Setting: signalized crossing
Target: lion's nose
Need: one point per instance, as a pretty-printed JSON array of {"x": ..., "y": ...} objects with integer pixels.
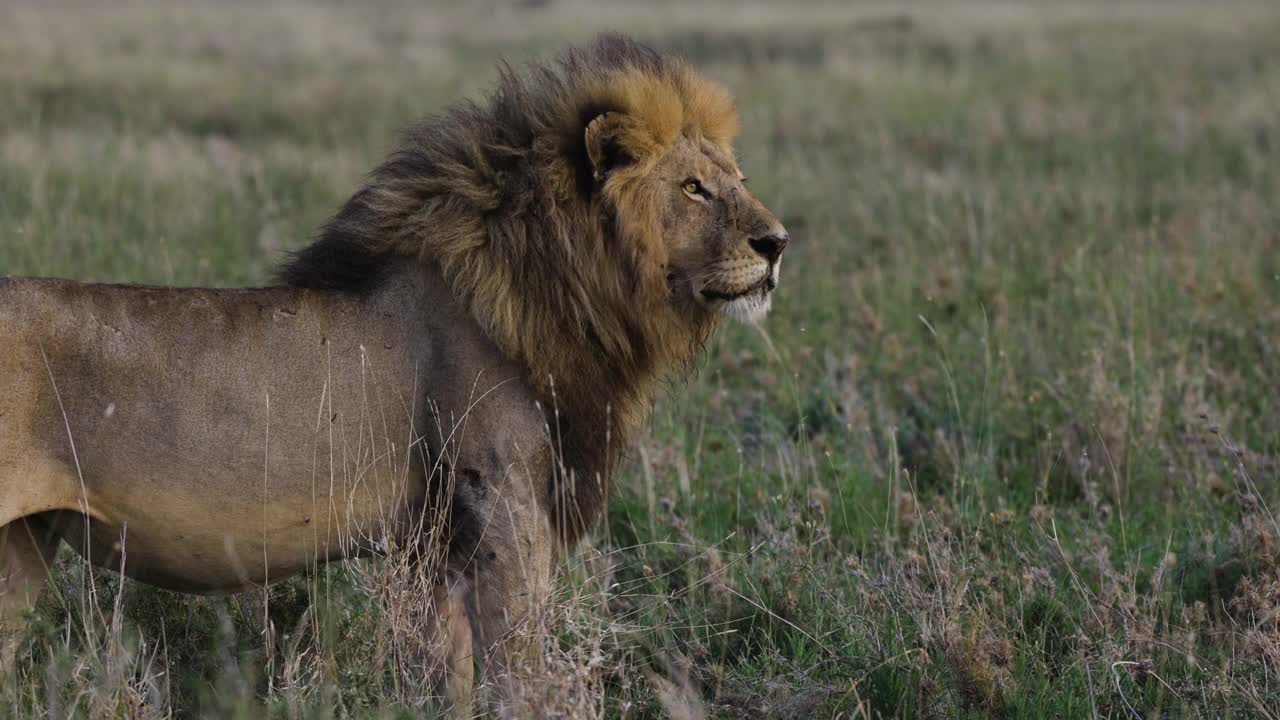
[{"x": 770, "y": 246}]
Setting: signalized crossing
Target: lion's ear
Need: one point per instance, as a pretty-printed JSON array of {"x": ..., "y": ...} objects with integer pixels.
[{"x": 603, "y": 137}]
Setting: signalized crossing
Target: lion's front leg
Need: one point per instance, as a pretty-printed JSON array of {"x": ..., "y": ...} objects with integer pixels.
[
  {"x": 449, "y": 633},
  {"x": 510, "y": 576}
]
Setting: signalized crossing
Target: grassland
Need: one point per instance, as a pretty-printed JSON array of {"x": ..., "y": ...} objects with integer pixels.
[{"x": 1008, "y": 446}]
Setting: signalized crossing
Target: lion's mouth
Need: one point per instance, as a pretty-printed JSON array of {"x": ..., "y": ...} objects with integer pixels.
[
  {"x": 710, "y": 294},
  {"x": 765, "y": 286}
]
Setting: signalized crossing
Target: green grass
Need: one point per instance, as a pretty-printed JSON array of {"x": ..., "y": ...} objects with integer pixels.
[{"x": 1014, "y": 419}]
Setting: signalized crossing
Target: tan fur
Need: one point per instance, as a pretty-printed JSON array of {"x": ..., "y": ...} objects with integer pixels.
[{"x": 458, "y": 362}]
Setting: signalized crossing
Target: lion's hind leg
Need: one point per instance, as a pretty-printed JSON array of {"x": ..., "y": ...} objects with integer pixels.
[{"x": 27, "y": 549}]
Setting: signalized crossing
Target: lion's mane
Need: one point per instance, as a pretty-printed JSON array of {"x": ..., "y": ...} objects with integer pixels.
[{"x": 565, "y": 279}]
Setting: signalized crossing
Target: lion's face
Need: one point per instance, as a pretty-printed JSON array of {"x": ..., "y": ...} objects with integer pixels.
[
  {"x": 724, "y": 248},
  {"x": 666, "y": 171}
]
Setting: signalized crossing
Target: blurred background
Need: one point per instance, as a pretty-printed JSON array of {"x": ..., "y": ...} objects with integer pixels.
[{"x": 1009, "y": 444}]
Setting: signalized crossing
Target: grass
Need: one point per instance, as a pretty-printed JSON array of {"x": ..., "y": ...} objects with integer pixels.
[{"x": 1009, "y": 444}]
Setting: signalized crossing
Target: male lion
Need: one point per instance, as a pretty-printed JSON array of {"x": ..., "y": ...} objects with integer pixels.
[{"x": 463, "y": 353}]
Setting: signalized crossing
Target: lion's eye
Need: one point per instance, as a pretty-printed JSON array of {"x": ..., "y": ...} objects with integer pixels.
[{"x": 693, "y": 187}]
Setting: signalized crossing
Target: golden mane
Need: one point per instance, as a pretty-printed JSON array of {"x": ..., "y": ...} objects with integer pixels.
[{"x": 564, "y": 273}]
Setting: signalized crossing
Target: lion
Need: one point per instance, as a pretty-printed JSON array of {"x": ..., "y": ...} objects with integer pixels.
[{"x": 464, "y": 353}]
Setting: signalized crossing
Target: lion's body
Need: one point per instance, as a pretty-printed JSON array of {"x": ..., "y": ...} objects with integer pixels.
[
  {"x": 314, "y": 438},
  {"x": 461, "y": 357}
]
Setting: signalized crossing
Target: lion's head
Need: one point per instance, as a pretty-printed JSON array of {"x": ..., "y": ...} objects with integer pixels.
[
  {"x": 589, "y": 215},
  {"x": 663, "y": 165}
]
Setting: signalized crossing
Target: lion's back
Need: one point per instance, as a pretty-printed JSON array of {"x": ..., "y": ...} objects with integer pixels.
[{"x": 22, "y": 309}]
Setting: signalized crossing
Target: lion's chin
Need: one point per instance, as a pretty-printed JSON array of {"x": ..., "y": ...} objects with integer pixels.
[{"x": 748, "y": 308}]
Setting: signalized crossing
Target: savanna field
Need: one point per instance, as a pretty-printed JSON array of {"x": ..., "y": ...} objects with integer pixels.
[{"x": 1007, "y": 446}]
